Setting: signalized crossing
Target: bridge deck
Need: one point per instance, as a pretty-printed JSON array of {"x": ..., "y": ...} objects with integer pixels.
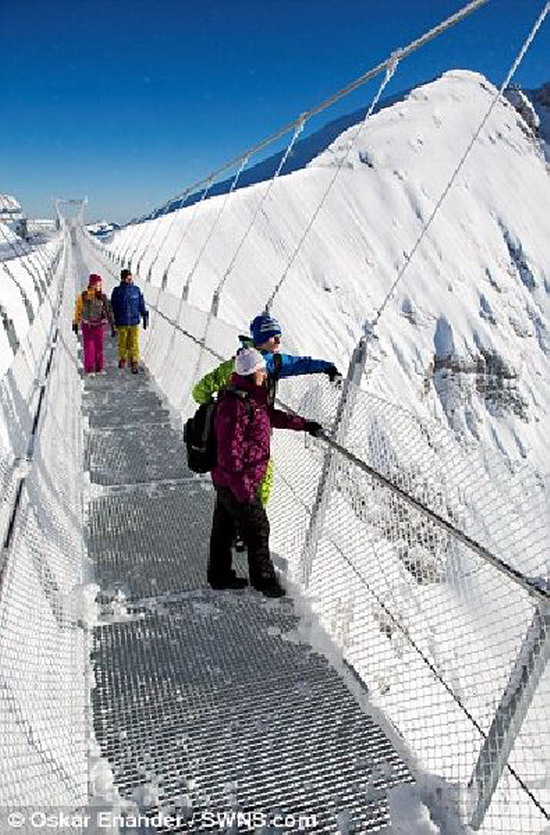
[{"x": 207, "y": 701}]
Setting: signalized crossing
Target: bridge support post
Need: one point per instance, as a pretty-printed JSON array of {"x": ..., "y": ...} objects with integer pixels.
[
  {"x": 510, "y": 714},
  {"x": 330, "y": 463}
]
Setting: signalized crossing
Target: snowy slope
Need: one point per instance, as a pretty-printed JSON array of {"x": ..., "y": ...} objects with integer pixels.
[
  {"x": 465, "y": 337},
  {"x": 303, "y": 151}
]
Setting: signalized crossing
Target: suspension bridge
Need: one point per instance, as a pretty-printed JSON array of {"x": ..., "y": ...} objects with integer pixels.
[{"x": 410, "y": 655}]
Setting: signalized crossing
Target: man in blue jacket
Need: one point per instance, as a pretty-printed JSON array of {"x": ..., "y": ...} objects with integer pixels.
[
  {"x": 128, "y": 307},
  {"x": 265, "y": 336}
]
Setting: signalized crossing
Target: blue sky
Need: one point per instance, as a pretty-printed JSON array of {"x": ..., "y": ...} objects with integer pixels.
[{"x": 129, "y": 101}]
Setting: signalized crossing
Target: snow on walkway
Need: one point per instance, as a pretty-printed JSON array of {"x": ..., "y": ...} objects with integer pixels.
[{"x": 201, "y": 704}]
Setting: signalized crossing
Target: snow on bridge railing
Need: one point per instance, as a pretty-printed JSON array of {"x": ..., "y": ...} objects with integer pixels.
[
  {"x": 43, "y": 649},
  {"x": 423, "y": 561},
  {"x": 27, "y": 276}
]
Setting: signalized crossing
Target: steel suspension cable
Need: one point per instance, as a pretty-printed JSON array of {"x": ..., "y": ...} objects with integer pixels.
[
  {"x": 136, "y": 239},
  {"x": 139, "y": 240},
  {"x": 297, "y": 131},
  {"x": 390, "y": 70},
  {"x": 214, "y": 226},
  {"x": 497, "y": 96},
  {"x": 164, "y": 238},
  {"x": 184, "y": 234},
  {"x": 449, "y": 22},
  {"x": 183, "y": 294}
]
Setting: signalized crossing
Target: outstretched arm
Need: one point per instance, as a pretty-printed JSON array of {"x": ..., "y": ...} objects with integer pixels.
[
  {"x": 294, "y": 366},
  {"x": 284, "y": 420}
]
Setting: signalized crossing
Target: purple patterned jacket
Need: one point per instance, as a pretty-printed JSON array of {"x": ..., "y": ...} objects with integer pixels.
[{"x": 243, "y": 435}]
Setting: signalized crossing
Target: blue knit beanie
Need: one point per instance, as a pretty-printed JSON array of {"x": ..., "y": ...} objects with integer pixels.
[{"x": 263, "y": 327}]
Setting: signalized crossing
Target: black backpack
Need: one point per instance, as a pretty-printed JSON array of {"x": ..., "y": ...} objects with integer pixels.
[{"x": 199, "y": 435}]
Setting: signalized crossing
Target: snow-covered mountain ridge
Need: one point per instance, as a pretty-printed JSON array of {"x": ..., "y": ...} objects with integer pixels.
[
  {"x": 465, "y": 335},
  {"x": 535, "y": 102},
  {"x": 476, "y": 296},
  {"x": 540, "y": 100}
]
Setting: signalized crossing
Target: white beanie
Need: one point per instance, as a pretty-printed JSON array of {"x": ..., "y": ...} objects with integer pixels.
[{"x": 248, "y": 361}]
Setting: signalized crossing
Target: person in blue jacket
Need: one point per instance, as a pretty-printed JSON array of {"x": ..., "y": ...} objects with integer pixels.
[
  {"x": 265, "y": 334},
  {"x": 128, "y": 307}
]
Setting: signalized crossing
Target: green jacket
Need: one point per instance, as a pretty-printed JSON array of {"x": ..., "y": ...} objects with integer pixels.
[
  {"x": 213, "y": 381},
  {"x": 278, "y": 366}
]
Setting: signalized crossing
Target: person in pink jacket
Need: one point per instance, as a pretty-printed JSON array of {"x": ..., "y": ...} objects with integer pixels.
[
  {"x": 243, "y": 425},
  {"x": 93, "y": 312}
]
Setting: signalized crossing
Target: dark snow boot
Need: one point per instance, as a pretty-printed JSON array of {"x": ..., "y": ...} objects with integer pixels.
[
  {"x": 272, "y": 588},
  {"x": 134, "y": 368},
  {"x": 233, "y": 583}
]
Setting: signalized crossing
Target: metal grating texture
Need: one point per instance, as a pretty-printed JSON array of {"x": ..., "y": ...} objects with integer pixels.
[
  {"x": 213, "y": 702},
  {"x": 207, "y": 702},
  {"x": 148, "y": 542},
  {"x": 146, "y": 454}
]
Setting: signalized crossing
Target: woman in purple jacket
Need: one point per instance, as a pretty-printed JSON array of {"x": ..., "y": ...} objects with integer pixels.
[{"x": 243, "y": 426}]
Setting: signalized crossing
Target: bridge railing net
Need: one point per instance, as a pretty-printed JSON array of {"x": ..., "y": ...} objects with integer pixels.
[
  {"x": 43, "y": 650},
  {"x": 433, "y": 629}
]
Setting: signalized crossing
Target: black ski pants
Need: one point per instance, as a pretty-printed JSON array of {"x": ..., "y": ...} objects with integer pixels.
[{"x": 253, "y": 526}]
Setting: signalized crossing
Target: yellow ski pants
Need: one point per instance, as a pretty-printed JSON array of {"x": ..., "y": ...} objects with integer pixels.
[{"x": 128, "y": 342}]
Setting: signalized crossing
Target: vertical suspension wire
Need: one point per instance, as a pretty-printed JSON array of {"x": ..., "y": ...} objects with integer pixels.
[
  {"x": 131, "y": 235},
  {"x": 26, "y": 301},
  {"x": 136, "y": 241},
  {"x": 186, "y": 231},
  {"x": 170, "y": 226},
  {"x": 494, "y": 101},
  {"x": 33, "y": 272},
  {"x": 185, "y": 291},
  {"x": 244, "y": 162},
  {"x": 188, "y": 226},
  {"x": 297, "y": 131},
  {"x": 7, "y": 321},
  {"x": 155, "y": 215},
  {"x": 140, "y": 243},
  {"x": 390, "y": 67},
  {"x": 42, "y": 290},
  {"x": 24, "y": 250},
  {"x": 23, "y": 293}
]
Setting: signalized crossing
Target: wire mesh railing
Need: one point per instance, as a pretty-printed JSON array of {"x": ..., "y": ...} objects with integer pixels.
[
  {"x": 439, "y": 634},
  {"x": 44, "y": 686},
  {"x": 425, "y": 561}
]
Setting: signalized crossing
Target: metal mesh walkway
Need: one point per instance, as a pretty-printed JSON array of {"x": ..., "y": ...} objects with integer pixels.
[{"x": 207, "y": 702}]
